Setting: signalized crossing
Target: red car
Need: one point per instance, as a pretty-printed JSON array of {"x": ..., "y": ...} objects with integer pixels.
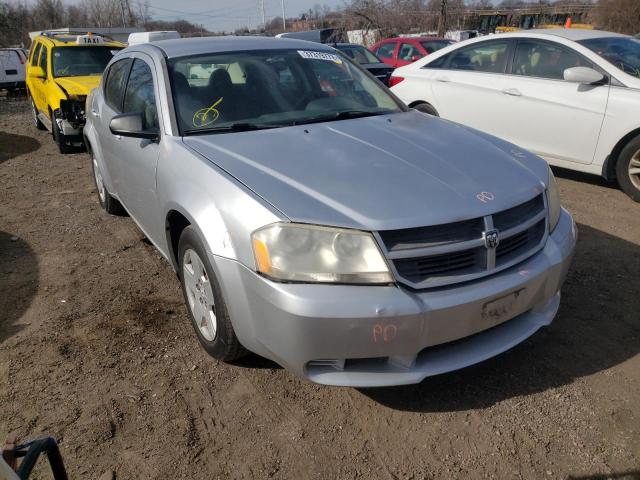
[{"x": 401, "y": 51}]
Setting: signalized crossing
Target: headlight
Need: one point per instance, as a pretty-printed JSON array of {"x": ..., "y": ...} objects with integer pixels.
[
  {"x": 308, "y": 253},
  {"x": 553, "y": 198}
]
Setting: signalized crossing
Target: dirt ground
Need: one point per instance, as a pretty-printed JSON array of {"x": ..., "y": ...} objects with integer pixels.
[{"x": 96, "y": 350}]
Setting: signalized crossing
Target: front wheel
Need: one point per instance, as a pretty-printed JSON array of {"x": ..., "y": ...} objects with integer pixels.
[
  {"x": 628, "y": 169},
  {"x": 426, "y": 108},
  {"x": 36, "y": 121},
  {"x": 205, "y": 303},
  {"x": 59, "y": 137}
]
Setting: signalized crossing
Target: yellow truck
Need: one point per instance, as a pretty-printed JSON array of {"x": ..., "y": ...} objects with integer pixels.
[{"x": 62, "y": 69}]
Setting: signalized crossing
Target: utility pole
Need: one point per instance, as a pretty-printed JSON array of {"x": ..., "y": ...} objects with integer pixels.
[
  {"x": 442, "y": 21},
  {"x": 284, "y": 20},
  {"x": 264, "y": 21}
]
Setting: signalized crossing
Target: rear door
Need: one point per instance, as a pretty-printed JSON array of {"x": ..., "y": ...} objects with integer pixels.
[
  {"x": 552, "y": 117},
  {"x": 113, "y": 98},
  {"x": 136, "y": 159},
  {"x": 468, "y": 82},
  {"x": 386, "y": 51},
  {"x": 408, "y": 53}
]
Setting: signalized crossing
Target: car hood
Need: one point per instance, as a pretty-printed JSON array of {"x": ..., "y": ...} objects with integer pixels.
[
  {"x": 78, "y": 85},
  {"x": 376, "y": 173}
]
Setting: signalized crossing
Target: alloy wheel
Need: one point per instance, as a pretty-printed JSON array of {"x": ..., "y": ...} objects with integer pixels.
[
  {"x": 199, "y": 294},
  {"x": 634, "y": 170}
]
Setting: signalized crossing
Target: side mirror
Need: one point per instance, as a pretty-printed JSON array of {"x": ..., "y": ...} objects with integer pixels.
[
  {"x": 583, "y": 75},
  {"x": 37, "y": 72},
  {"x": 131, "y": 125}
]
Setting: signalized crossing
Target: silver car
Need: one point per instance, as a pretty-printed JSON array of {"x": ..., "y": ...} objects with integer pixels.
[{"x": 314, "y": 219}]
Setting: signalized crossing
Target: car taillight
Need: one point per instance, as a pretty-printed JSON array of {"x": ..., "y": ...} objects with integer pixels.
[{"x": 395, "y": 80}]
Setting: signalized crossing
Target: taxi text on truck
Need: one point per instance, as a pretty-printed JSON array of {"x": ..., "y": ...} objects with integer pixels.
[{"x": 61, "y": 71}]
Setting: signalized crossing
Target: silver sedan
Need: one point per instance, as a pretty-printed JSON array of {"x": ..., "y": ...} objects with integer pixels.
[{"x": 314, "y": 219}]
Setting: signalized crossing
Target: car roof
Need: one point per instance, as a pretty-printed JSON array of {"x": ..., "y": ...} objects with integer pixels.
[
  {"x": 203, "y": 45},
  {"x": 69, "y": 40},
  {"x": 575, "y": 34},
  {"x": 417, "y": 39},
  {"x": 345, "y": 44}
]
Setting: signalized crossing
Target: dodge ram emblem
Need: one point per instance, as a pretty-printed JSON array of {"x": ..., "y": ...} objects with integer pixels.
[{"x": 491, "y": 238}]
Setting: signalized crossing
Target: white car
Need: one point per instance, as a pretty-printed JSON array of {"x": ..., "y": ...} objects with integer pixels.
[
  {"x": 12, "y": 70},
  {"x": 571, "y": 96}
]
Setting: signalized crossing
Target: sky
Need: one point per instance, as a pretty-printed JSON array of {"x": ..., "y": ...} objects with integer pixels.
[{"x": 219, "y": 15}]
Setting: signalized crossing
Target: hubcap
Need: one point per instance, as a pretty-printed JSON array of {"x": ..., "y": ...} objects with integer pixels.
[
  {"x": 634, "y": 170},
  {"x": 99, "y": 182},
  {"x": 199, "y": 294}
]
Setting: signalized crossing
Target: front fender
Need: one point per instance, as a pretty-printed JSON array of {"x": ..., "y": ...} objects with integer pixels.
[{"x": 223, "y": 211}]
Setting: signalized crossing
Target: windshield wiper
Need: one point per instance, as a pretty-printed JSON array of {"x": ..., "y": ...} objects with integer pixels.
[
  {"x": 235, "y": 127},
  {"x": 343, "y": 115}
]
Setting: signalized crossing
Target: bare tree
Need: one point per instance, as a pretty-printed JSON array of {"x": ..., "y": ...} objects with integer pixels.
[{"x": 621, "y": 16}]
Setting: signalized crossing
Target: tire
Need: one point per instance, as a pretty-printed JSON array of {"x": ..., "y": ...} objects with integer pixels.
[
  {"x": 110, "y": 204},
  {"x": 204, "y": 301},
  {"x": 59, "y": 137},
  {"x": 628, "y": 169},
  {"x": 36, "y": 121},
  {"x": 426, "y": 108}
]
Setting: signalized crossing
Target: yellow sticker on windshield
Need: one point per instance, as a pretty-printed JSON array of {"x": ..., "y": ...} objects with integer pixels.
[{"x": 207, "y": 116}]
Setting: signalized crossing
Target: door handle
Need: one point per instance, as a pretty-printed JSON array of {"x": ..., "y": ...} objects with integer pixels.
[
  {"x": 514, "y": 92},
  {"x": 442, "y": 79}
]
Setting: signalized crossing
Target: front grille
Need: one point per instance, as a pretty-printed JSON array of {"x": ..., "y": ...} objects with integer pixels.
[
  {"x": 426, "y": 257},
  {"x": 457, "y": 263}
]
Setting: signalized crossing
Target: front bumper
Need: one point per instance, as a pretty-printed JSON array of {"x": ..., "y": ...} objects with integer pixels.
[{"x": 369, "y": 336}]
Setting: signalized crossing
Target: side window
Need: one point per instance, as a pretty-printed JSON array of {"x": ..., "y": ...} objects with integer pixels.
[
  {"x": 534, "y": 58},
  {"x": 43, "y": 61},
  {"x": 140, "y": 94},
  {"x": 438, "y": 62},
  {"x": 408, "y": 52},
  {"x": 36, "y": 54},
  {"x": 114, "y": 86},
  {"x": 481, "y": 57},
  {"x": 386, "y": 50}
]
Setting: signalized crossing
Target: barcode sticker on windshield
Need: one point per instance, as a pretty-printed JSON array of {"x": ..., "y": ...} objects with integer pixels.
[{"x": 330, "y": 57}]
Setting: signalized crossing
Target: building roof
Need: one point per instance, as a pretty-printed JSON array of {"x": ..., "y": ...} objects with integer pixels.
[{"x": 203, "y": 45}]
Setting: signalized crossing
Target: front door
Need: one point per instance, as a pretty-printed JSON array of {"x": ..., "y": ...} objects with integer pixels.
[
  {"x": 549, "y": 116},
  {"x": 136, "y": 159}
]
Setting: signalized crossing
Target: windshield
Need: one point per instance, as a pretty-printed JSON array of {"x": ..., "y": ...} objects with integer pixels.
[
  {"x": 432, "y": 45},
  {"x": 623, "y": 52},
  {"x": 78, "y": 61},
  {"x": 267, "y": 89},
  {"x": 359, "y": 54}
]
